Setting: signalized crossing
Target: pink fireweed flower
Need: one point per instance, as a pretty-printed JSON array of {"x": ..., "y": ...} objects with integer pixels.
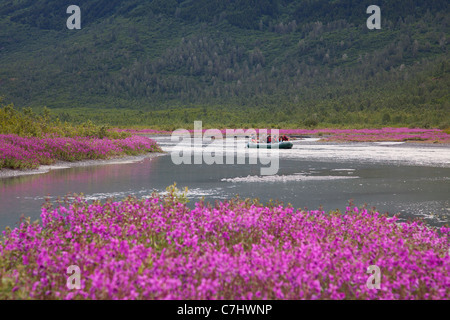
[
  {"x": 158, "y": 248},
  {"x": 29, "y": 152}
]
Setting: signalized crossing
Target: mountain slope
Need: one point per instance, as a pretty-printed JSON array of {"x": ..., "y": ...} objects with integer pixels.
[{"x": 306, "y": 62}]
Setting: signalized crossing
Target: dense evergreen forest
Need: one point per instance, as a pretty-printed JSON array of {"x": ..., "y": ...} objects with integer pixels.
[{"x": 246, "y": 63}]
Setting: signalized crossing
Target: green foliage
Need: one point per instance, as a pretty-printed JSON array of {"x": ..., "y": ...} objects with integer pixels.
[
  {"x": 27, "y": 123},
  {"x": 266, "y": 62},
  {"x": 175, "y": 196},
  {"x": 223, "y": 117},
  {"x": 386, "y": 118}
]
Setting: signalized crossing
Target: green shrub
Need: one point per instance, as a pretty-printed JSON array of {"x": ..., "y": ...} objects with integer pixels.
[{"x": 27, "y": 123}]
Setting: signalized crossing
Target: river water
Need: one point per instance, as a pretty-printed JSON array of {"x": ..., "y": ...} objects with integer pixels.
[{"x": 412, "y": 180}]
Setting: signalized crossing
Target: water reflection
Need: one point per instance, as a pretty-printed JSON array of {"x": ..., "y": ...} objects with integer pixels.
[{"x": 413, "y": 191}]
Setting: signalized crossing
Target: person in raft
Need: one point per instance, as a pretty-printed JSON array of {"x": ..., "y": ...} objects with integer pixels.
[{"x": 269, "y": 139}]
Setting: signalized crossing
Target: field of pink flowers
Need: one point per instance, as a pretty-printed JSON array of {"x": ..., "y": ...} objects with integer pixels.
[
  {"x": 356, "y": 135},
  {"x": 384, "y": 134},
  {"x": 157, "y": 248},
  {"x": 18, "y": 152}
]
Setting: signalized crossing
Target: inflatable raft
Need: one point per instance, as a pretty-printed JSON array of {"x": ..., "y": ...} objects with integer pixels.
[{"x": 277, "y": 145}]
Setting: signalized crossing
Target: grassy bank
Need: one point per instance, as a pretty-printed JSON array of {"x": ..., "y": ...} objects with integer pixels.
[{"x": 28, "y": 140}]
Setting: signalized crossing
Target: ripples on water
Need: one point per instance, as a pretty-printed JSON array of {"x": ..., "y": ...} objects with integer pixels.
[{"x": 410, "y": 179}]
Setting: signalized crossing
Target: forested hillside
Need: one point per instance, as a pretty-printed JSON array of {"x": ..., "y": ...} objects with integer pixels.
[{"x": 281, "y": 63}]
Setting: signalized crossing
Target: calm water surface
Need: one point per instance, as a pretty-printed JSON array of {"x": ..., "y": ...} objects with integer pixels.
[{"x": 410, "y": 179}]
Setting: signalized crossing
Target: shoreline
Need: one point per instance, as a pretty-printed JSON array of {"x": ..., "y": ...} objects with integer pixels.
[
  {"x": 322, "y": 139},
  {"x": 59, "y": 165}
]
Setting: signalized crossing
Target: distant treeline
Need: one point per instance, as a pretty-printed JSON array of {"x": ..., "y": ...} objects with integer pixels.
[{"x": 265, "y": 117}]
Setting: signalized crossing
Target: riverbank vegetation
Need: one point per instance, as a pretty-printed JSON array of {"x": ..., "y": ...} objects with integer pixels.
[
  {"x": 158, "y": 248},
  {"x": 26, "y": 123},
  {"x": 326, "y": 134},
  {"x": 28, "y": 140}
]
